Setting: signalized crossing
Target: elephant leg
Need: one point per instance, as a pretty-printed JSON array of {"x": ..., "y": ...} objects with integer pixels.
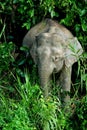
[{"x": 65, "y": 83}]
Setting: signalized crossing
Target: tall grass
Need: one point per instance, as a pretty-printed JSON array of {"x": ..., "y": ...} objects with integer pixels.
[{"x": 33, "y": 112}]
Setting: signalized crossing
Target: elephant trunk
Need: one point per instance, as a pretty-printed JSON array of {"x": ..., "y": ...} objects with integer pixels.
[{"x": 44, "y": 75}]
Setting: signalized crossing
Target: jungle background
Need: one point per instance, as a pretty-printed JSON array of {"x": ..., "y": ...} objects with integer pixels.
[{"x": 22, "y": 105}]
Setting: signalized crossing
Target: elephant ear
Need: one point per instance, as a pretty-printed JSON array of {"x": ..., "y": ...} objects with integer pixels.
[
  {"x": 33, "y": 51},
  {"x": 73, "y": 52}
]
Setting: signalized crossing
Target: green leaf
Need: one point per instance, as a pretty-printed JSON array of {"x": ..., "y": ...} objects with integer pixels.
[
  {"x": 52, "y": 14},
  {"x": 84, "y": 26},
  {"x": 77, "y": 27},
  {"x": 85, "y": 55},
  {"x": 31, "y": 13},
  {"x": 3, "y": 29},
  {"x": 23, "y": 48},
  {"x": 82, "y": 12}
]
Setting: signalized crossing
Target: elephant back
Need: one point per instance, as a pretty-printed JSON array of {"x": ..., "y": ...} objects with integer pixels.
[{"x": 46, "y": 25}]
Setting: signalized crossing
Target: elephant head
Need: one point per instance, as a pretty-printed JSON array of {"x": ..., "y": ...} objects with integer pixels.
[{"x": 54, "y": 49}]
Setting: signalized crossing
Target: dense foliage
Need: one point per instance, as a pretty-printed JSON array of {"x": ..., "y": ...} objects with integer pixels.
[{"x": 22, "y": 105}]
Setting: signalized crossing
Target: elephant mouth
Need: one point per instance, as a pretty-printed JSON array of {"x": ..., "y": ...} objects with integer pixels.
[{"x": 55, "y": 71}]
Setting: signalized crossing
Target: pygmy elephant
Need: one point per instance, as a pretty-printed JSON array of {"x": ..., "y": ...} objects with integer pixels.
[{"x": 54, "y": 50}]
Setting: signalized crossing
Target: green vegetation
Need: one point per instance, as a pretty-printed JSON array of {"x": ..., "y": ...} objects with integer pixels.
[{"x": 22, "y": 105}]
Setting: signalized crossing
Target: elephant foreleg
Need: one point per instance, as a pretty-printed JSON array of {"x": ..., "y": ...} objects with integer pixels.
[{"x": 65, "y": 83}]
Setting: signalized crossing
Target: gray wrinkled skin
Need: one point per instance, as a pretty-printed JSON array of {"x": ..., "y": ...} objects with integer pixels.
[{"x": 51, "y": 49}]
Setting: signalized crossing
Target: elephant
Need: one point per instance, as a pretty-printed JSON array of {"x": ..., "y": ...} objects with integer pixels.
[{"x": 54, "y": 50}]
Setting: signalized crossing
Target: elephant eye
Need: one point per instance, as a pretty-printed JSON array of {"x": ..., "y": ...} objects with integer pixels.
[{"x": 55, "y": 58}]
